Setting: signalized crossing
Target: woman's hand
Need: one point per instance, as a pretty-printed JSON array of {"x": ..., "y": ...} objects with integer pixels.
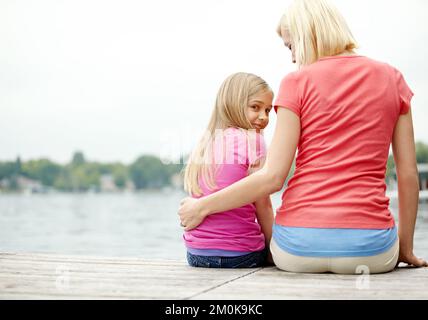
[
  {"x": 409, "y": 258},
  {"x": 191, "y": 214}
]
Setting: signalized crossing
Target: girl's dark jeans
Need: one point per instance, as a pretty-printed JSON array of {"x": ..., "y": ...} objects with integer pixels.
[{"x": 251, "y": 260}]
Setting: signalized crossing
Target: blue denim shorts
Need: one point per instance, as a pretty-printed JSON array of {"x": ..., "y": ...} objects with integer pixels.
[{"x": 251, "y": 260}]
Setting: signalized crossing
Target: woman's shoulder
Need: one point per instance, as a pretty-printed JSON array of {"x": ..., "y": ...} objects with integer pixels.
[
  {"x": 355, "y": 61},
  {"x": 378, "y": 63},
  {"x": 293, "y": 75},
  {"x": 382, "y": 67}
]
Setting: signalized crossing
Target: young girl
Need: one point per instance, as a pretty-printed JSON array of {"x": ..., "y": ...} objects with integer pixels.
[{"x": 232, "y": 148}]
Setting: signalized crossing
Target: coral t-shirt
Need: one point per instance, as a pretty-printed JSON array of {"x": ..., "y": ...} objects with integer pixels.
[
  {"x": 348, "y": 108},
  {"x": 237, "y": 229}
]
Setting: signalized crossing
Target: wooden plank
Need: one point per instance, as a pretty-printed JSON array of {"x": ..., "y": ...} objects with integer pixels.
[
  {"x": 272, "y": 283},
  {"x": 48, "y": 257},
  {"x": 50, "y": 276},
  {"x": 30, "y": 276}
]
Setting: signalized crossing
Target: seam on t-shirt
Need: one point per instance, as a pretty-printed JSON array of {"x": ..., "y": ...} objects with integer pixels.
[
  {"x": 289, "y": 106},
  {"x": 321, "y": 225}
]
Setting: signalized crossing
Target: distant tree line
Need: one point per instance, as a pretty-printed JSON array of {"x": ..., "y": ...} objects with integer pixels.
[
  {"x": 81, "y": 175},
  {"x": 146, "y": 172}
]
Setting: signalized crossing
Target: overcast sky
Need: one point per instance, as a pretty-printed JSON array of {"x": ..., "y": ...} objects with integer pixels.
[{"x": 117, "y": 79}]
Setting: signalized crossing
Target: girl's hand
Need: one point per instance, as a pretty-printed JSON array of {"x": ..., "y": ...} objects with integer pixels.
[
  {"x": 411, "y": 259},
  {"x": 190, "y": 213},
  {"x": 269, "y": 260}
]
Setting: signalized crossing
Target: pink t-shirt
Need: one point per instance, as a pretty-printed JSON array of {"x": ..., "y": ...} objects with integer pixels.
[
  {"x": 348, "y": 108},
  {"x": 237, "y": 229}
]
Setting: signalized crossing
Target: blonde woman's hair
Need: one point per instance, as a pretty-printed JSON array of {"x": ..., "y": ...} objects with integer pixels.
[
  {"x": 229, "y": 111},
  {"x": 317, "y": 29}
]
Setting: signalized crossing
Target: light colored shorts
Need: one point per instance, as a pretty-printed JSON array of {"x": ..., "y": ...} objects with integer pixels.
[{"x": 381, "y": 263}]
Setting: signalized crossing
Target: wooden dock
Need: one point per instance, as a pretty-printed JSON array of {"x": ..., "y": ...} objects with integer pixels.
[{"x": 49, "y": 276}]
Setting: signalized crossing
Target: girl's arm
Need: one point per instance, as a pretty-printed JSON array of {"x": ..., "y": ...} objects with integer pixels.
[
  {"x": 403, "y": 147},
  {"x": 264, "y": 213},
  {"x": 256, "y": 186}
]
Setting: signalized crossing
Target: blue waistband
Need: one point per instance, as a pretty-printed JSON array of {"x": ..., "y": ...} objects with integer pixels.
[{"x": 317, "y": 242}]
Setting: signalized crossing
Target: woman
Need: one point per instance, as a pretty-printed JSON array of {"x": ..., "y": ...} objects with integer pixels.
[{"x": 341, "y": 111}]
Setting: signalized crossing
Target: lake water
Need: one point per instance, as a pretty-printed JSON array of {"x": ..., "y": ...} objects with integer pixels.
[{"x": 142, "y": 225}]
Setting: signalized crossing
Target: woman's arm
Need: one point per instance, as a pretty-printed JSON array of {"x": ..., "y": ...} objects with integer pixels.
[
  {"x": 256, "y": 186},
  {"x": 403, "y": 147}
]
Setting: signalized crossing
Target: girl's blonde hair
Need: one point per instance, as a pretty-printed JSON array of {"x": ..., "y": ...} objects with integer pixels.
[
  {"x": 229, "y": 111},
  {"x": 317, "y": 29}
]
